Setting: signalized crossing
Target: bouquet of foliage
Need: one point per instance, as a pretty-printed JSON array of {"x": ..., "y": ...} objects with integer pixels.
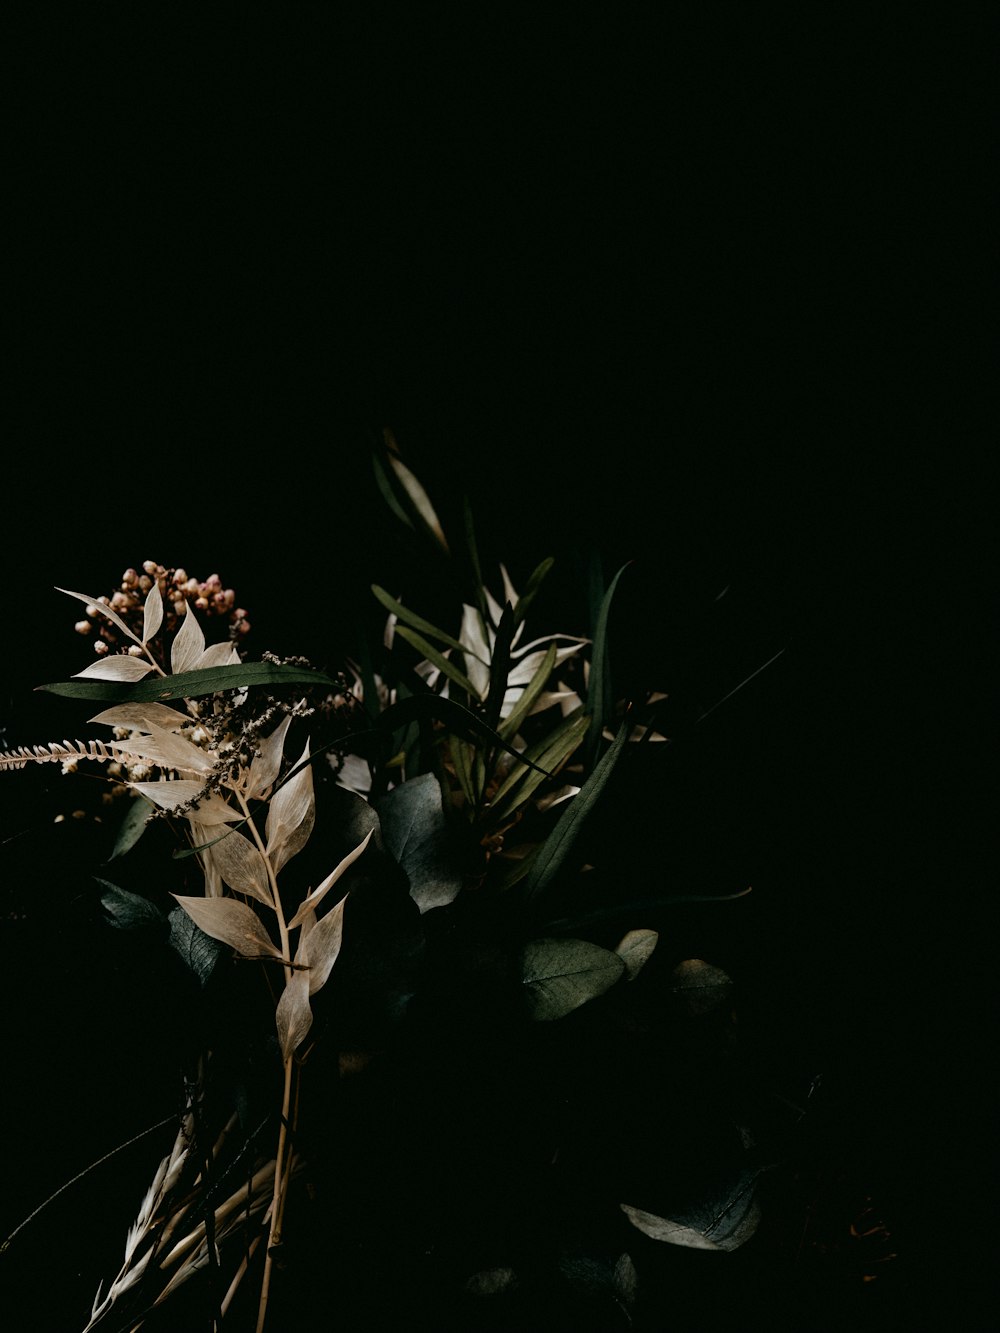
[{"x": 374, "y": 877}]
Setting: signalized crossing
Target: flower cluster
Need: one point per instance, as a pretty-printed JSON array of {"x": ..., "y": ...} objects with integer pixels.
[{"x": 178, "y": 590}]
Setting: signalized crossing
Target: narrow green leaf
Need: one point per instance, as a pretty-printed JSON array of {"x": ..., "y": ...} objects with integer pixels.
[
  {"x": 455, "y": 716},
  {"x": 473, "y": 549},
  {"x": 531, "y": 589},
  {"x": 557, "y": 845},
  {"x": 388, "y": 494},
  {"x": 532, "y": 693},
  {"x": 461, "y": 758},
  {"x": 443, "y": 663},
  {"x": 189, "y": 684},
  {"x": 549, "y": 757},
  {"x": 416, "y": 622},
  {"x": 500, "y": 665},
  {"x": 599, "y": 697}
]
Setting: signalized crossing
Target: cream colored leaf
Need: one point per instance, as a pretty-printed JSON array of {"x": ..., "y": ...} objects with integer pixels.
[
  {"x": 267, "y": 762},
  {"x": 478, "y": 654},
  {"x": 213, "y": 879},
  {"x": 523, "y": 671},
  {"x": 661, "y": 1228},
  {"x": 216, "y": 655},
  {"x": 152, "y": 613},
  {"x": 321, "y": 946},
  {"x": 142, "y": 717},
  {"x": 232, "y": 923},
  {"x": 293, "y": 1016},
  {"x": 508, "y": 587},
  {"x": 312, "y": 902},
  {"x": 169, "y": 793},
  {"x": 291, "y": 815},
  {"x": 242, "y": 866},
  {"x": 634, "y": 949},
  {"x": 188, "y": 644},
  {"x": 118, "y": 667},
  {"x": 168, "y": 750},
  {"x": 420, "y": 498},
  {"x": 104, "y": 609}
]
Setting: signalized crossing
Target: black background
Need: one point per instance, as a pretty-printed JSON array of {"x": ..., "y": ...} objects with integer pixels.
[{"x": 700, "y": 289}]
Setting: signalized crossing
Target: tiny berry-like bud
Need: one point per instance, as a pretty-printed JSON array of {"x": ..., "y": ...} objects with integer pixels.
[
  {"x": 92, "y": 611},
  {"x": 220, "y": 601},
  {"x": 135, "y": 651},
  {"x": 243, "y": 627},
  {"x": 150, "y": 566},
  {"x": 120, "y": 602},
  {"x": 100, "y": 647},
  {"x": 83, "y": 627},
  {"x": 180, "y": 576},
  {"x": 59, "y": 819},
  {"x": 79, "y": 814},
  {"x": 201, "y": 603},
  {"x": 145, "y": 582},
  {"x": 213, "y": 583},
  {"x": 191, "y": 587},
  {"x": 130, "y": 578}
]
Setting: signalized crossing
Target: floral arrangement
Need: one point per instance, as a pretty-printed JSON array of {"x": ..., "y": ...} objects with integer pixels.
[{"x": 352, "y": 857}]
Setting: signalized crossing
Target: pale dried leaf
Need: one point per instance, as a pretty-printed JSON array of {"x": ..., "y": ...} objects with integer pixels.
[
  {"x": 168, "y": 750},
  {"x": 661, "y": 1228},
  {"x": 320, "y": 946},
  {"x": 242, "y": 866},
  {"x": 118, "y": 667},
  {"x": 477, "y": 655},
  {"x": 267, "y": 762},
  {"x": 188, "y": 644},
  {"x": 293, "y": 1016},
  {"x": 232, "y": 923},
  {"x": 523, "y": 671},
  {"x": 508, "y": 587},
  {"x": 313, "y": 900},
  {"x": 216, "y": 655},
  {"x": 142, "y": 717},
  {"x": 213, "y": 878},
  {"x": 169, "y": 793},
  {"x": 105, "y": 610},
  {"x": 291, "y": 815},
  {"x": 152, "y": 613},
  {"x": 634, "y": 949},
  {"x": 420, "y": 499}
]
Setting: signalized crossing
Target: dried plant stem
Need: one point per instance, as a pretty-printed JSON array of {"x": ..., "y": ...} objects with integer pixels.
[{"x": 240, "y": 1273}]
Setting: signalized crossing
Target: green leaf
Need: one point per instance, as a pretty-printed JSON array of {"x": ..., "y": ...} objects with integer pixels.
[
  {"x": 198, "y": 950},
  {"x": 557, "y": 845},
  {"x": 388, "y": 494},
  {"x": 128, "y": 911},
  {"x": 697, "y": 987},
  {"x": 444, "y": 664},
  {"x": 455, "y": 716},
  {"x": 560, "y": 975},
  {"x": 599, "y": 696},
  {"x": 532, "y": 693},
  {"x": 189, "y": 684},
  {"x": 470, "y": 541},
  {"x": 500, "y": 666},
  {"x": 132, "y": 827},
  {"x": 723, "y": 1219},
  {"x": 548, "y": 755},
  {"x": 418, "y": 837},
  {"x": 416, "y": 622},
  {"x": 461, "y": 758},
  {"x": 531, "y": 589}
]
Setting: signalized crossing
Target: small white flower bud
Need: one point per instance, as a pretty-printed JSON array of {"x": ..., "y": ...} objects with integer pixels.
[
  {"x": 83, "y": 627},
  {"x": 92, "y": 611},
  {"x": 180, "y": 577},
  {"x": 200, "y": 736},
  {"x": 59, "y": 819},
  {"x": 201, "y": 603},
  {"x": 130, "y": 578},
  {"x": 150, "y": 566},
  {"x": 145, "y": 582},
  {"x": 135, "y": 651},
  {"x": 69, "y": 766},
  {"x": 100, "y": 647},
  {"x": 120, "y": 602}
]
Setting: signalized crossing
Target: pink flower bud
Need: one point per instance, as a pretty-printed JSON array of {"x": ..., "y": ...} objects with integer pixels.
[
  {"x": 201, "y": 603},
  {"x": 180, "y": 576},
  {"x": 150, "y": 566},
  {"x": 145, "y": 582}
]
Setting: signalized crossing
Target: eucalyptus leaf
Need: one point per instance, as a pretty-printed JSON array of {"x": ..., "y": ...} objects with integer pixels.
[
  {"x": 132, "y": 827},
  {"x": 724, "y": 1219},
  {"x": 198, "y": 950},
  {"x": 635, "y": 950},
  {"x": 697, "y": 987},
  {"x": 560, "y": 975},
  {"x": 416, "y": 834},
  {"x": 128, "y": 911}
]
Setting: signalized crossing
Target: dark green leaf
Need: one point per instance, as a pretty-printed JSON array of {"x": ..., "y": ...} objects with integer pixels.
[
  {"x": 443, "y": 664},
  {"x": 388, "y": 494},
  {"x": 531, "y": 589},
  {"x": 456, "y": 717},
  {"x": 532, "y": 693},
  {"x": 189, "y": 684},
  {"x": 500, "y": 666},
  {"x": 549, "y": 756},
  {"x": 559, "y": 842},
  {"x": 416, "y": 622},
  {"x": 560, "y": 975},
  {"x": 725, "y": 1217},
  {"x": 470, "y": 541},
  {"x": 697, "y": 987},
  {"x": 132, "y": 827},
  {"x": 600, "y": 701},
  {"x": 128, "y": 911},
  {"x": 418, "y": 837},
  {"x": 198, "y": 950}
]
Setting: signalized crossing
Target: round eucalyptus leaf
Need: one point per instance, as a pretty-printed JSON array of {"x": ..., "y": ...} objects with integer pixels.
[{"x": 560, "y": 975}]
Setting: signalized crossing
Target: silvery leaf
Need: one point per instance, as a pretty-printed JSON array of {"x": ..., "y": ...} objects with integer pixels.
[
  {"x": 415, "y": 833},
  {"x": 118, "y": 667},
  {"x": 724, "y": 1219},
  {"x": 291, "y": 815},
  {"x": 152, "y": 613},
  {"x": 188, "y": 644},
  {"x": 293, "y": 1016},
  {"x": 698, "y": 987}
]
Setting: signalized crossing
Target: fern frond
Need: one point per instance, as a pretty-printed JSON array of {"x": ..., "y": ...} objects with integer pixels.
[{"x": 68, "y": 751}]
